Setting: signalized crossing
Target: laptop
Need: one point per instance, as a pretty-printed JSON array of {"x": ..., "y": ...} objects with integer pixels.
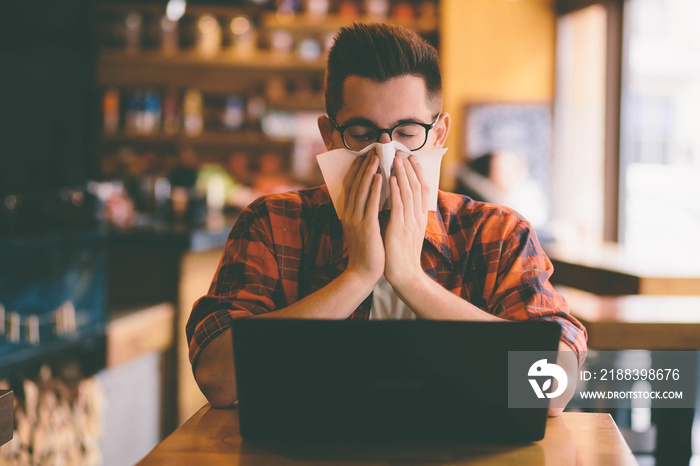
[{"x": 389, "y": 381}]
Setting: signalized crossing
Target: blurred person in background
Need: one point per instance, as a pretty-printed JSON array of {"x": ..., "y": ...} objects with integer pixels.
[{"x": 503, "y": 177}]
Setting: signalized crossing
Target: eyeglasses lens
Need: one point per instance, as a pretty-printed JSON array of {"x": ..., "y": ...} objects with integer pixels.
[{"x": 413, "y": 136}]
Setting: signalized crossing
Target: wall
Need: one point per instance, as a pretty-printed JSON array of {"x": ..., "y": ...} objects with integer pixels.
[
  {"x": 493, "y": 50},
  {"x": 132, "y": 413}
]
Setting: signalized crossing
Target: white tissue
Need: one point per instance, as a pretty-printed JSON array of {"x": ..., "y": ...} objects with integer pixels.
[{"x": 336, "y": 163}]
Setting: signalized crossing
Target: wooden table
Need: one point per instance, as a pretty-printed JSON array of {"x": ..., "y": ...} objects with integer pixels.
[
  {"x": 212, "y": 437},
  {"x": 637, "y": 321},
  {"x": 612, "y": 270}
]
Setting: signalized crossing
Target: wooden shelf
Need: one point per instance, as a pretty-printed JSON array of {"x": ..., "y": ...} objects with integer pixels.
[
  {"x": 228, "y": 59},
  {"x": 305, "y": 24},
  {"x": 211, "y": 138},
  {"x": 313, "y": 103},
  {"x": 225, "y": 73},
  {"x": 191, "y": 10}
]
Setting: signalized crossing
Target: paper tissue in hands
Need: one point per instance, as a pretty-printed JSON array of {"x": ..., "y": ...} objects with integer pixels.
[{"x": 336, "y": 163}]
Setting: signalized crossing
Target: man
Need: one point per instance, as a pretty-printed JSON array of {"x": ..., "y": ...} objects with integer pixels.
[{"x": 292, "y": 256}]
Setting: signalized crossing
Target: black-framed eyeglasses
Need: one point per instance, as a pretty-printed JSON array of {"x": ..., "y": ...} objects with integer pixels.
[{"x": 411, "y": 134}]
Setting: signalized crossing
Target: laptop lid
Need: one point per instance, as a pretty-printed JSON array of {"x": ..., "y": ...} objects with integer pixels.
[{"x": 318, "y": 380}]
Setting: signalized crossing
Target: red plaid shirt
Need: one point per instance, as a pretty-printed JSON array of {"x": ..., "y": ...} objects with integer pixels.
[{"x": 286, "y": 246}]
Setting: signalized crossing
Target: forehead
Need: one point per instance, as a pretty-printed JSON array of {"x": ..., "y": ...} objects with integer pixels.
[{"x": 385, "y": 103}]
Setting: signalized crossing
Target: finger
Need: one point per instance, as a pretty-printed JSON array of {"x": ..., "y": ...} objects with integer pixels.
[
  {"x": 403, "y": 183},
  {"x": 412, "y": 167},
  {"x": 425, "y": 187},
  {"x": 349, "y": 180},
  {"x": 363, "y": 190},
  {"x": 356, "y": 182},
  {"x": 374, "y": 196},
  {"x": 396, "y": 202}
]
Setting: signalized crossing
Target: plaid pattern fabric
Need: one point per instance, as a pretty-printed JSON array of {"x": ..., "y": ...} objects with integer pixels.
[{"x": 286, "y": 246}]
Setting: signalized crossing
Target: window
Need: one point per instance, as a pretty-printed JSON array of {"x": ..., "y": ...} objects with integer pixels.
[
  {"x": 660, "y": 124},
  {"x": 626, "y": 158},
  {"x": 579, "y": 126}
]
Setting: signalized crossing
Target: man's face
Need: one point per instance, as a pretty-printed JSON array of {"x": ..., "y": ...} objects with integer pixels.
[{"x": 384, "y": 105}]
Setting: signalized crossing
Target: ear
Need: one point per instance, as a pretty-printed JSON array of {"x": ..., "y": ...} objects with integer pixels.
[
  {"x": 442, "y": 129},
  {"x": 326, "y": 129}
]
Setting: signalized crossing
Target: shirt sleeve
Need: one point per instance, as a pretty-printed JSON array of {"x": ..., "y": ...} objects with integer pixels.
[
  {"x": 244, "y": 283},
  {"x": 520, "y": 288}
]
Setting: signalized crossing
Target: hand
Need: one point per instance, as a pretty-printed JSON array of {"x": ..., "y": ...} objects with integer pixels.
[
  {"x": 360, "y": 217},
  {"x": 403, "y": 240}
]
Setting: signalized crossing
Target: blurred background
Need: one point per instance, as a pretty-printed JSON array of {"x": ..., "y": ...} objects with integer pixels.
[{"x": 132, "y": 134}]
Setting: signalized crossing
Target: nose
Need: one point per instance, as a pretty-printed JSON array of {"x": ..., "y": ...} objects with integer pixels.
[{"x": 384, "y": 138}]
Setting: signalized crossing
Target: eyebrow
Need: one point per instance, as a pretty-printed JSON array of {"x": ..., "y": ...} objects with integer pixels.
[{"x": 365, "y": 121}]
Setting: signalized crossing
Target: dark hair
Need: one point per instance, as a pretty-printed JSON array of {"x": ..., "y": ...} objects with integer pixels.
[{"x": 379, "y": 52}]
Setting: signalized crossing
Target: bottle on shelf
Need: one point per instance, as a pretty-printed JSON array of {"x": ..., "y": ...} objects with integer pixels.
[
  {"x": 275, "y": 88},
  {"x": 110, "y": 111},
  {"x": 238, "y": 165},
  {"x": 209, "y": 36},
  {"x": 192, "y": 110},
  {"x": 133, "y": 114},
  {"x": 309, "y": 49},
  {"x": 243, "y": 35},
  {"x": 169, "y": 36},
  {"x": 316, "y": 9},
  {"x": 403, "y": 13},
  {"x": 234, "y": 114},
  {"x": 150, "y": 122},
  {"x": 134, "y": 30},
  {"x": 377, "y": 9},
  {"x": 348, "y": 10},
  {"x": 286, "y": 10},
  {"x": 171, "y": 113},
  {"x": 281, "y": 42},
  {"x": 255, "y": 108}
]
